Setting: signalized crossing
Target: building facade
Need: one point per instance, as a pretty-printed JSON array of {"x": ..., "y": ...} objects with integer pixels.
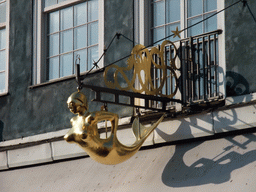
[{"x": 204, "y": 139}]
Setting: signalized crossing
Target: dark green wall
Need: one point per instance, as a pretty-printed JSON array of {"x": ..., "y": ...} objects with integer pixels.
[
  {"x": 240, "y": 48},
  {"x": 25, "y": 112}
]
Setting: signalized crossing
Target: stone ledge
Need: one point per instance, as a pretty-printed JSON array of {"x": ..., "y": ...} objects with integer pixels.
[
  {"x": 29, "y": 155},
  {"x": 184, "y": 127}
]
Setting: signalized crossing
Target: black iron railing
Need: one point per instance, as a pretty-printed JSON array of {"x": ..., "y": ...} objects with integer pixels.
[{"x": 196, "y": 68}]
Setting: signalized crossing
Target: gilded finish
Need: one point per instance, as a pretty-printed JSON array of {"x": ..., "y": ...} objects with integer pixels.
[
  {"x": 141, "y": 62},
  {"x": 84, "y": 132},
  {"x": 176, "y": 32}
]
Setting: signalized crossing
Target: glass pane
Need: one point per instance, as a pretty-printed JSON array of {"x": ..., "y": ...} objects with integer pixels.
[
  {"x": 159, "y": 13},
  {"x": 53, "y": 68},
  {"x": 66, "y": 43},
  {"x": 169, "y": 29},
  {"x": 93, "y": 55},
  {"x": 2, "y": 82},
  {"x": 210, "y": 24},
  {"x": 50, "y": 2},
  {"x": 2, "y": 39},
  {"x": 80, "y": 13},
  {"x": 2, "y": 12},
  {"x": 158, "y": 34},
  {"x": 54, "y": 22},
  {"x": 195, "y": 7},
  {"x": 83, "y": 59},
  {"x": 66, "y": 18},
  {"x": 173, "y": 10},
  {"x": 93, "y": 10},
  {"x": 197, "y": 29},
  {"x": 66, "y": 65},
  {"x": 2, "y": 60},
  {"x": 80, "y": 37},
  {"x": 59, "y": 1},
  {"x": 93, "y": 33},
  {"x": 54, "y": 45},
  {"x": 210, "y": 5}
]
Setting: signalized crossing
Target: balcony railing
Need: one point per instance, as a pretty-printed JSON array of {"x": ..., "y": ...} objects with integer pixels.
[{"x": 196, "y": 73}]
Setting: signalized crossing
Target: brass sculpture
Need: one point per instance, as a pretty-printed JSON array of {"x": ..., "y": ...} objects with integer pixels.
[
  {"x": 84, "y": 132},
  {"x": 141, "y": 62}
]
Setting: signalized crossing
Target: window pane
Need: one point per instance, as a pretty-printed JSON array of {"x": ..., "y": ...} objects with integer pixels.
[
  {"x": 158, "y": 34},
  {"x": 2, "y": 39},
  {"x": 53, "y": 68},
  {"x": 93, "y": 36},
  {"x": 195, "y": 7},
  {"x": 197, "y": 29},
  {"x": 2, "y": 60},
  {"x": 50, "y": 2},
  {"x": 54, "y": 45},
  {"x": 66, "y": 43},
  {"x": 54, "y": 22},
  {"x": 59, "y": 1},
  {"x": 93, "y": 10},
  {"x": 210, "y": 5},
  {"x": 170, "y": 28},
  {"x": 80, "y": 37},
  {"x": 173, "y": 10},
  {"x": 83, "y": 59},
  {"x": 159, "y": 13},
  {"x": 210, "y": 24},
  {"x": 66, "y": 18},
  {"x": 66, "y": 65},
  {"x": 2, "y": 82},
  {"x": 80, "y": 13},
  {"x": 2, "y": 12},
  {"x": 93, "y": 55}
]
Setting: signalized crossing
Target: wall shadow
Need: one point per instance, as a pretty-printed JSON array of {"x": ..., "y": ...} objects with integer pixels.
[
  {"x": 1, "y": 130},
  {"x": 204, "y": 171},
  {"x": 236, "y": 84}
]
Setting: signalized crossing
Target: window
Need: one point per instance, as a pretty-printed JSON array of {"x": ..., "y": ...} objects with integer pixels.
[
  {"x": 169, "y": 14},
  {"x": 3, "y": 47},
  {"x": 68, "y": 29}
]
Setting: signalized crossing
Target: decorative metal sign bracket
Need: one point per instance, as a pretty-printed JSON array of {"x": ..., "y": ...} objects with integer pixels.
[{"x": 117, "y": 93}]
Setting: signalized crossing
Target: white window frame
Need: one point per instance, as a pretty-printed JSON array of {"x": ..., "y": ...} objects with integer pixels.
[
  {"x": 40, "y": 41},
  {"x": 6, "y": 25},
  {"x": 144, "y": 15}
]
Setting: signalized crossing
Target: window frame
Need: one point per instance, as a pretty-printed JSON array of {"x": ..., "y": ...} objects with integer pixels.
[
  {"x": 40, "y": 37},
  {"x": 6, "y": 25}
]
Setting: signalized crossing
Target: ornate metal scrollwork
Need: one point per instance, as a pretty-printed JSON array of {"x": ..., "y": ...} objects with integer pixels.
[{"x": 142, "y": 62}]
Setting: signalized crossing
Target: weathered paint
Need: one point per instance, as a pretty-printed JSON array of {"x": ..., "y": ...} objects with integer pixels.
[{"x": 25, "y": 112}]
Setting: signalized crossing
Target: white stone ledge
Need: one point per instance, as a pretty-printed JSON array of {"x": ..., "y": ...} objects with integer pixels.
[
  {"x": 65, "y": 150},
  {"x": 194, "y": 126},
  {"x": 3, "y": 160},
  {"x": 29, "y": 155},
  {"x": 235, "y": 119}
]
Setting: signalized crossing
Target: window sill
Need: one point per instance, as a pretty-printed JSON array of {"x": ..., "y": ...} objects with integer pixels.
[
  {"x": 95, "y": 71},
  {"x": 52, "y": 82},
  {"x": 4, "y": 94}
]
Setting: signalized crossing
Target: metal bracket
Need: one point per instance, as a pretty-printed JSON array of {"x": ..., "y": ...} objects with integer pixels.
[{"x": 131, "y": 95}]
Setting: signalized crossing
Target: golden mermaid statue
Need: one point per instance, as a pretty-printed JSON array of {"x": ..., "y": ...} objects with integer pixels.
[{"x": 84, "y": 132}]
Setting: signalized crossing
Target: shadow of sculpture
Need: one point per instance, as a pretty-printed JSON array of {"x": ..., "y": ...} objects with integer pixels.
[
  {"x": 205, "y": 170},
  {"x": 236, "y": 84},
  {"x": 200, "y": 171}
]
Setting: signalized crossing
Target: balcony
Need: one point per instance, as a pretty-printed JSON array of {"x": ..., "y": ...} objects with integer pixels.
[{"x": 193, "y": 69}]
